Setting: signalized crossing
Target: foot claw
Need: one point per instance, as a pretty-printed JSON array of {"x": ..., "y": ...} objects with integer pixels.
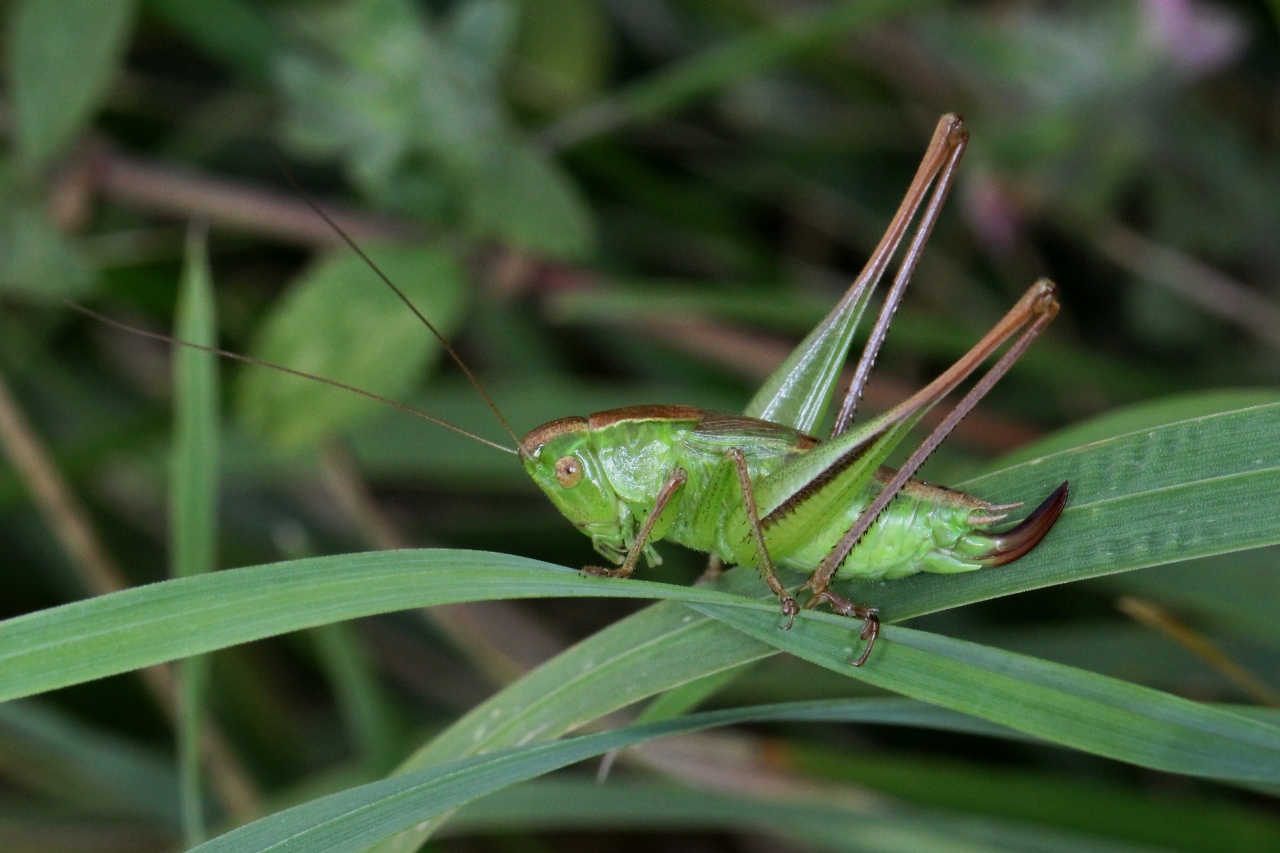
[
  {"x": 789, "y": 610},
  {"x": 871, "y": 624},
  {"x": 870, "y": 631},
  {"x": 870, "y": 617},
  {"x": 601, "y": 572}
]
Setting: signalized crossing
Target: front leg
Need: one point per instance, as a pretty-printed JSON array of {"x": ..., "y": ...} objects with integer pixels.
[
  {"x": 677, "y": 479},
  {"x": 789, "y": 606}
]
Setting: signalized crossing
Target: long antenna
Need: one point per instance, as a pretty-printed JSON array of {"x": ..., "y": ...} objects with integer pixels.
[
  {"x": 102, "y": 318},
  {"x": 355, "y": 247}
]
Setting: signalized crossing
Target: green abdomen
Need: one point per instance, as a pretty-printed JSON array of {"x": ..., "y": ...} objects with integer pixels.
[{"x": 924, "y": 529}]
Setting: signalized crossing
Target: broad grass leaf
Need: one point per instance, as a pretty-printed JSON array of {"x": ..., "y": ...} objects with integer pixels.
[
  {"x": 665, "y": 646},
  {"x": 661, "y": 648},
  {"x": 1146, "y": 415},
  {"x": 1191, "y": 488}
]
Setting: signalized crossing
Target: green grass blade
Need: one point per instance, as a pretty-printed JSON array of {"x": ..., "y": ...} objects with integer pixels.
[
  {"x": 357, "y": 817},
  {"x": 352, "y": 819},
  {"x": 174, "y": 619},
  {"x": 193, "y": 482},
  {"x": 1067, "y": 706},
  {"x": 151, "y": 624},
  {"x": 1080, "y": 803},
  {"x": 687, "y": 696},
  {"x": 359, "y": 695},
  {"x": 1147, "y": 415},
  {"x": 193, "y": 499},
  {"x": 90, "y": 639},
  {"x": 1047, "y": 814}
]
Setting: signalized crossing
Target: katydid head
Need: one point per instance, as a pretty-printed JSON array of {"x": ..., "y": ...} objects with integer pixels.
[{"x": 562, "y": 459}]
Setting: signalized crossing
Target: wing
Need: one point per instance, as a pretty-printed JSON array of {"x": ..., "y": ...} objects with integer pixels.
[{"x": 765, "y": 444}]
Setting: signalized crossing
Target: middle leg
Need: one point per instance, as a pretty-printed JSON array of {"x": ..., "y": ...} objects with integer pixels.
[{"x": 789, "y": 606}]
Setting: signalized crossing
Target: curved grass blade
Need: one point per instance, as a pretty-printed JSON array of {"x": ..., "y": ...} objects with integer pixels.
[
  {"x": 151, "y": 624},
  {"x": 349, "y": 820},
  {"x": 1020, "y": 810},
  {"x": 174, "y": 619},
  {"x": 1203, "y": 822},
  {"x": 712, "y": 70},
  {"x": 1147, "y": 415},
  {"x": 1061, "y": 704}
]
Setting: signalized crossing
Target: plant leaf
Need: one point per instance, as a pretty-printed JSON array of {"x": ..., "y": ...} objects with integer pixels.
[
  {"x": 62, "y": 58},
  {"x": 341, "y": 323},
  {"x": 1187, "y": 489}
]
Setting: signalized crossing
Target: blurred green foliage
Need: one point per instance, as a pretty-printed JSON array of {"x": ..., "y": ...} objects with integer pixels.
[{"x": 606, "y": 202}]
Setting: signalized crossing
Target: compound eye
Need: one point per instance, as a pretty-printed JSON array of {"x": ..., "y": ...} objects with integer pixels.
[{"x": 569, "y": 471}]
